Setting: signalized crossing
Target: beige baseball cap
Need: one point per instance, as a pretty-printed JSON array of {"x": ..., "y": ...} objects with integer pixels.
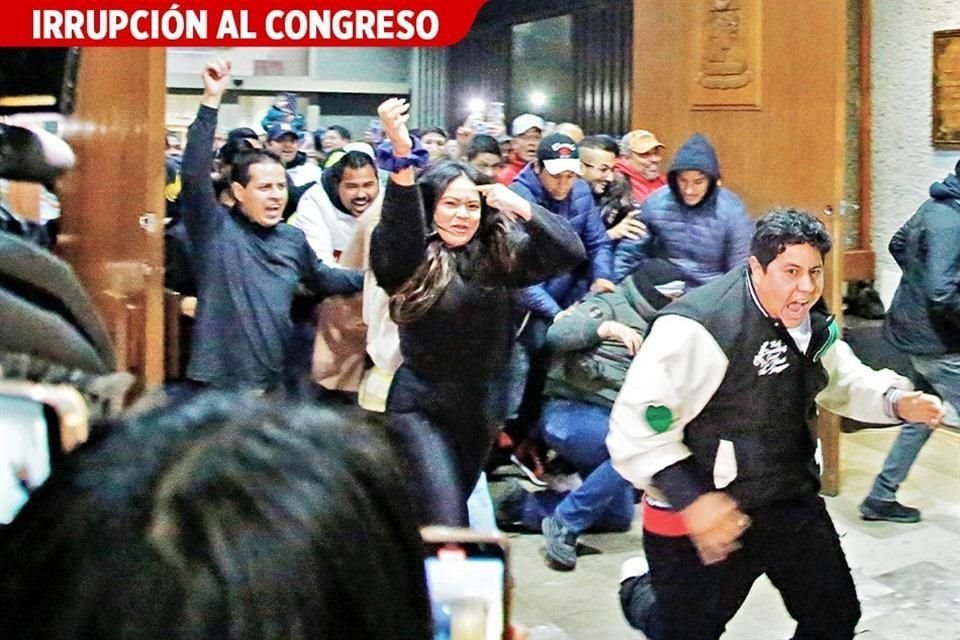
[{"x": 641, "y": 141}]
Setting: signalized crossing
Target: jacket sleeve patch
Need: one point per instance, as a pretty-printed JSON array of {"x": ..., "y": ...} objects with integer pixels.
[
  {"x": 833, "y": 335},
  {"x": 658, "y": 417}
]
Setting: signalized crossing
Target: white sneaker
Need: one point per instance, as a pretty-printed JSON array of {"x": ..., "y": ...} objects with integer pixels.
[
  {"x": 528, "y": 472},
  {"x": 633, "y": 567}
]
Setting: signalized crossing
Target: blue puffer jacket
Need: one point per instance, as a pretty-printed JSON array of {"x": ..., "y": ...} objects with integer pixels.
[
  {"x": 554, "y": 295},
  {"x": 924, "y": 317},
  {"x": 706, "y": 240}
]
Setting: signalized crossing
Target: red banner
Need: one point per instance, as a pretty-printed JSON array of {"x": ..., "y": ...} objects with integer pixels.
[{"x": 282, "y": 23}]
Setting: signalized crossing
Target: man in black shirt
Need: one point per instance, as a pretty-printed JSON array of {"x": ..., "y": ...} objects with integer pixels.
[{"x": 248, "y": 265}]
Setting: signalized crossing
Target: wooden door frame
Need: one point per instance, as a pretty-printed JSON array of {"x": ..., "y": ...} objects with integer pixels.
[{"x": 860, "y": 263}]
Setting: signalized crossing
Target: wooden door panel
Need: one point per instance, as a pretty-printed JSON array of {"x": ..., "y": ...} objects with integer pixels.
[
  {"x": 785, "y": 148},
  {"x": 113, "y": 201}
]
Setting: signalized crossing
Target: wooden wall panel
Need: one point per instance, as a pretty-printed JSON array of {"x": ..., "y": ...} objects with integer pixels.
[
  {"x": 117, "y": 133},
  {"x": 787, "y": 151},
  {"x": 784, "y": 152}
]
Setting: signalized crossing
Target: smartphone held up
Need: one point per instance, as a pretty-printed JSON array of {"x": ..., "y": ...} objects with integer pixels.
[{"x": 468, "y": 579}]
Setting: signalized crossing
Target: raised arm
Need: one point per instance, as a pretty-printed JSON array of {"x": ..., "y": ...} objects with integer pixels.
[
  {"x": 199, "y": 204},
  {"x": 629, "y": 254},
  {"x": 399, "y": 241}
]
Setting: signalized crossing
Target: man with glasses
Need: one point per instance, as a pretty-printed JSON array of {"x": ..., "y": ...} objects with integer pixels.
[
  {"x": 527, "y": 129},
  {"x": 640, "y": 163},
  {"x": 611, "y": 191}
]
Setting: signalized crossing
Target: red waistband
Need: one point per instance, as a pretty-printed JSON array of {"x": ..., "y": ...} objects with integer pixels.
[{"x": 663, "y": 522}]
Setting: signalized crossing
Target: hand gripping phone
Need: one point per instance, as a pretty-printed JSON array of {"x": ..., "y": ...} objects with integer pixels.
[
  {"x": 39, "y": 424},
  {"x": 469, "y": 582}
]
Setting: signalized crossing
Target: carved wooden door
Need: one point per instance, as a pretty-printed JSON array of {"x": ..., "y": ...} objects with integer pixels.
[
  {"x": 113, "y": 203},
  {"x": 765, "y": 81}
]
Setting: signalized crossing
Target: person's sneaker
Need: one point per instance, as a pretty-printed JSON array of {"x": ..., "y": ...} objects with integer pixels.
[
  {"x": 561, "y": 545},
  {"x": 633, "y": 567},
  {"x": 531, "y": 466},
  {"x": 508, "y": 503},
  {"x": 889, "y": 510}
]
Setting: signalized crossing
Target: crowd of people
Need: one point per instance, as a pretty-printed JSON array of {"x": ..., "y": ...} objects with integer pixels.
[{"x": 625, "y": 331}]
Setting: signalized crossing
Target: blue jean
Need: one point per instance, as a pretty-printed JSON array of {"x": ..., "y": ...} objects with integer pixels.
[
  {"x": 604, "y": 502},
  {"x": 936, "y": 374}
]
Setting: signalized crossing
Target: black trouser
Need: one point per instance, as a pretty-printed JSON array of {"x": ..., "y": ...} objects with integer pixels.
[
  {"x": 445, "y": 432},
  {"x": 794, "y": 543}
]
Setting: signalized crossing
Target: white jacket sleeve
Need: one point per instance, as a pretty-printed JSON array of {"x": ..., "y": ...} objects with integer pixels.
[
  {"x": 677, "y": 370},
  {"x": 855, "y": 390},
  {"x": 309, "y": 218}
]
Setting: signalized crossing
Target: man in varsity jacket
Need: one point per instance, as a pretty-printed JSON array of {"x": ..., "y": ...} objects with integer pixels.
[{"x": 714, "y": 421}]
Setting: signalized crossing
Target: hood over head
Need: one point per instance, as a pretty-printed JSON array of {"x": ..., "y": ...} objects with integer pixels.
[
  {"x": 695, "y": 154},
  {"x": 948, "y": 188}
]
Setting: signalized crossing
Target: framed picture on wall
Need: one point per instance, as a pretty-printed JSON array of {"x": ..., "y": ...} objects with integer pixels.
[{"x": 946, "y": 89}]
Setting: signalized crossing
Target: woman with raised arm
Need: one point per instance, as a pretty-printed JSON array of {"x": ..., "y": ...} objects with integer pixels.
[{"x": 450, "y": 249}]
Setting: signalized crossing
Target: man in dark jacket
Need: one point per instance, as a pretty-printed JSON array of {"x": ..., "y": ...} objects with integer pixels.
[
  {"x": 700, "y": 226},
  {"x": 553, "y": 182},
  {"x": 924, "y": 322},
  {"x": 248, "y": 265}
]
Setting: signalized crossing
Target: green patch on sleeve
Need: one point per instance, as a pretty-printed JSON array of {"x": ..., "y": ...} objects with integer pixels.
[
  {"x": 658, "y": 417},
  {"x": 834, "y": 334}
]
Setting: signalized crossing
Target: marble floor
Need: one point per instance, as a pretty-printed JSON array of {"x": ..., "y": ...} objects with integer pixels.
[{"x": 907, "y": 575}]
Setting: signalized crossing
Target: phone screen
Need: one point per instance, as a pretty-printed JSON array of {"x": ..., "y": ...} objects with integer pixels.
[
  {"x": 28, "y": 434},
  {"x": 467, "y": 582}
]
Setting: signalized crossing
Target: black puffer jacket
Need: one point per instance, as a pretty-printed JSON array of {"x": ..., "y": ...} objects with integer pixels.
[{"x": 924, "y": 317}]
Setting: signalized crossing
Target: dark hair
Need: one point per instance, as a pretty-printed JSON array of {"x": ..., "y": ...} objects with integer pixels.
[
  {"x": 482, "y": 143},
  {"x": 222, "y": 517},
  {"x": 673, "y": 181},
  {"x": 242, "y": 133},
  {"x": 343, "y": 132},
  {"x": 427, "y": 130},
  {"x": 430, "y": 280},
  {"x": 784, "y": 226},
  {"x": 601, "y": 142},
  {"x": 434, "y": 182},
  {"x": 349, "y": 160},
  {"x": 240, "y": 167},
  {"x": 219, "y": 186},
  {"x": 232, "y": 148},
  {"x": 331, "y": 177}
]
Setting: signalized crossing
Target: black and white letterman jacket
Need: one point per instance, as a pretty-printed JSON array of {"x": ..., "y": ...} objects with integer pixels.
[{"x": 720, "y": 396}]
